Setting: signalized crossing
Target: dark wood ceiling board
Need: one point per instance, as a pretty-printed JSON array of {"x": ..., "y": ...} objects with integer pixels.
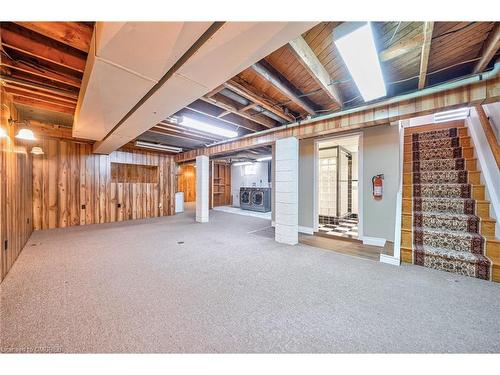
[
  {"x": 74, "y": 34},
  {"x": 261, "y": 85},
  {"x": 406, "y": 30},
  {"x": 42, "y": 83},
  {"x": 34, "y": 91},
  {"x": 311, "y": 35},
  {"x": 43, "y": 105},
  {"x": 40, "y": 71},
  {"x": 41, "y": 98},
  {"x": 38, "y": 46},
  {"x": 288, "y": 65},
  {"x": 463, "y": 37}
]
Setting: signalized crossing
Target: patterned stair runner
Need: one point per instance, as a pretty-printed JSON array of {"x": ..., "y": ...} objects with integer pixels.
[{"x": 445, "y": 227}]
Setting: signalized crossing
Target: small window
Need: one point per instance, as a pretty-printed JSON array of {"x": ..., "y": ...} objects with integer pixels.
[{"x": 136, "y": 173}]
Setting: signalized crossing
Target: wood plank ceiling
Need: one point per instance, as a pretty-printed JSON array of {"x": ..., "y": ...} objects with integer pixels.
[{"x": 42, "y": 65}]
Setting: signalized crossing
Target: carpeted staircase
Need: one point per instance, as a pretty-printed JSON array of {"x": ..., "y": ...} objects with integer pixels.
[{"x": 445, "y": 230}]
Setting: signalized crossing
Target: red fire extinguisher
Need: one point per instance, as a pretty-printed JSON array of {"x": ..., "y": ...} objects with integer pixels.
[{"x": 377, "y": 182}]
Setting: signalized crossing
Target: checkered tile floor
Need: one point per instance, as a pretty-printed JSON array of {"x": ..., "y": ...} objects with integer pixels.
[{"x": 347, "y": 228}]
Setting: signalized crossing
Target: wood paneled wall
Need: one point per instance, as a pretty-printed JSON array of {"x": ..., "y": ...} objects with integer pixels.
[
  {"x": 186, "y": 182},
  {"x": 221, "y": 184},
  {"x": 72, "y": 186},
  {"x": 16, "y": 221}
]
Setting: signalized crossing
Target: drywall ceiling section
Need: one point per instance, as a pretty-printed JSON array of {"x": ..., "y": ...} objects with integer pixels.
[
  {"x": 125, "y": 61},
  {"x": 233, "y": 48}
]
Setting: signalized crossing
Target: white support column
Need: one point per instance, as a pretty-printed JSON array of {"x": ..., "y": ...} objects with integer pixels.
[
  {"x": 286, "y": 191},
  {"x": 202, "y": 190}
]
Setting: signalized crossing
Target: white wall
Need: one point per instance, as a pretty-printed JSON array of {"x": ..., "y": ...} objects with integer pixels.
[
  {"x": 380, "y": 155},
  {"x": 239, "y": 179},
  {"x": 493, "y": 112}
]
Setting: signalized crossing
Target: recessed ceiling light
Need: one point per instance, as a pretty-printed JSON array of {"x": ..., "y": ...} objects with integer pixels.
[
  {"x": 265, "y": 158},
  {"x": 355, "y": 42},
  {"x": 207, "y": 128},
  {"x": 26, "y": 134},
  {"x": 451, "y": 115}
]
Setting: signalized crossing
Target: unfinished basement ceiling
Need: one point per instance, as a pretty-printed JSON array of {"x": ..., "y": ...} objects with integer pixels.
[{"x": 42, "y": 65}]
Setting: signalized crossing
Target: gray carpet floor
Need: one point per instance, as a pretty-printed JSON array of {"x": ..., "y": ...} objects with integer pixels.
[{"x": 171, "y": 285}]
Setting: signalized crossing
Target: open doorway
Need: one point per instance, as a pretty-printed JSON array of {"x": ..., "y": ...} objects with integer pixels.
[{"x": 338, "y": 187}]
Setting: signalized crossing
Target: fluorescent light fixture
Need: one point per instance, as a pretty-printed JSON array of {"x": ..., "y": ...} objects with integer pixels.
[
  {"x": 242, "y": 163},
  {"x": 155, "y": 146},
  {"x": 265, "y": 158},
  {"x": 3, "y": 133},
  {"x": 26, "y": 134},
  {"x": 207, "y": 128},
  {"x": 356, "y": 45},
  {"x": 37, "y": 151},
  {"x": 451, "y": 115}
]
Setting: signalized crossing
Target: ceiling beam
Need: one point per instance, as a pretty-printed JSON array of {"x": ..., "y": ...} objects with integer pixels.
[
  {"x": 38, "y": 86},
  {"x": 33, "y": 96},
  {"x": 73, "y": 34},
  {"x": 316, "y": 70},
  {"x": 215, "y": 91},
  {"x": 401, "y": 47},
  {"x": 224, "y": 104},
  {"x": 275, "y": 79},
  {"x": 42, "y": 105},
  {"x": 490, "y": 47},
  {"x": 22, "y": 91},
  {"x": 206, "y": 109},
  {"x": 39, "y": 71},
  {"x": 253, "y": 97},
  {"x": 424, "y": 55},
  {"x": 178, "y": 134},
  {"x": 40, "y": 47},
  {"x": 198, "y": 133}
]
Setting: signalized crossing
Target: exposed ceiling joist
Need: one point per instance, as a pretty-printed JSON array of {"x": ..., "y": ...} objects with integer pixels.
[
  {"x": 204, "y": 108},
  {"x": 45, "y": 99},
  {"x": 424, "y": 55},
  {"x": 311, "y": 63},
  {"x": 39, "y": 71},
  {"x": 43, "y": 105},
  {"x": 167, "y": 125},
  {"x": 179, "y": 134},
  {"x": 73, "y": 34},
  {"x": 490, "y": 48},
  {"x": 27, "y": 91},
  {"x": 401, "y": 47},
  {"x": 223, "y": 103},
  {"x": 215, "y": 91},
  {"x": 38, "y": 86},
  {"x": 253, "y": 97},
  {"x": 273, "y": 77},
  {"x": 33, "y": 44}
]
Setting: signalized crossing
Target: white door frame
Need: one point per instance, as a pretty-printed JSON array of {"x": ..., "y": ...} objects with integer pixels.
[{"x": 360, "y": 179}]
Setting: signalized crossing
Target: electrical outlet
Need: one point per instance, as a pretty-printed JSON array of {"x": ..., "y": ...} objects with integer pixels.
[
  {"x": 83, "y": 207},
  {"x": 5, "y": 245},
  {"x": 118, "y": 205}
]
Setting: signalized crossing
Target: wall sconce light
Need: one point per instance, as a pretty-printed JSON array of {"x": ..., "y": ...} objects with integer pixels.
[
  {"x": 37, "y": 151},
  {"x": 3, "y": 133},
  {"x": 24, "y": 133}
]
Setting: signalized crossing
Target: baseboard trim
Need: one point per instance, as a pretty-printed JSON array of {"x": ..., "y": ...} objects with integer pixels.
[
  {"x": 306, "y": 230},
  {"x": 373, "y": 241},
  {"x": 384, "y": 258}
]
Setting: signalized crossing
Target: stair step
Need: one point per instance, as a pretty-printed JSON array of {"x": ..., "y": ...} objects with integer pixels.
[
  {"x": 469, "y": 164},
  {"x": 465, "y": 263},
  {"x": 450, "y": 240},
  {"x": 443, "y": 221}
]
